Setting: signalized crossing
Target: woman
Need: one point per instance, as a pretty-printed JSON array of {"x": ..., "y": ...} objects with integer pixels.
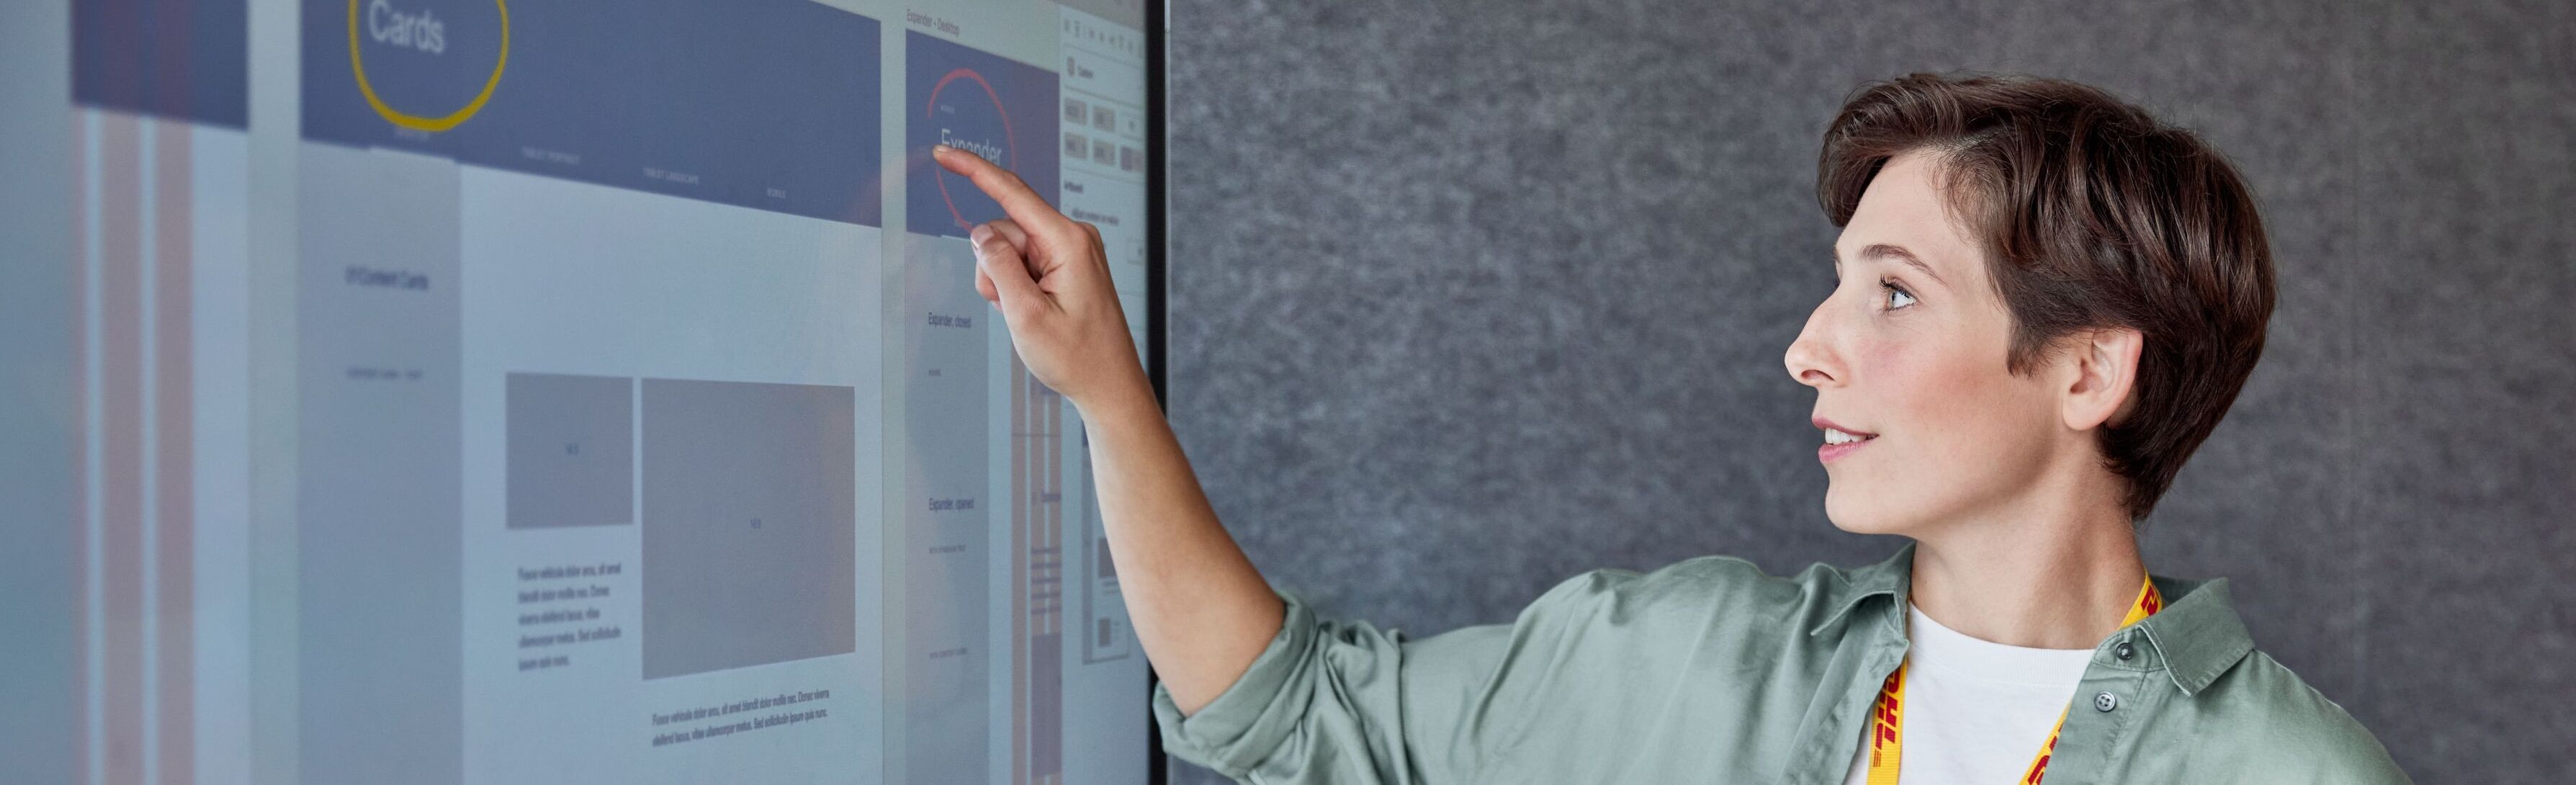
[{"x": 2046, "y": 300}]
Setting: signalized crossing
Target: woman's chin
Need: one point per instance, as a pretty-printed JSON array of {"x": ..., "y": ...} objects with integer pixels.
[
  {"x": 1864, "y": 527},
  {"x": 1849, "y": 513}
]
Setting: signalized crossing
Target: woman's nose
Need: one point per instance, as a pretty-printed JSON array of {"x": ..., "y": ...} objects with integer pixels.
[{"x": 1810, "y": 359}]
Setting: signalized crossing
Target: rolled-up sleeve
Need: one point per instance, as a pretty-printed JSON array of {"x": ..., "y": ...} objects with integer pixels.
[{"x": 1344, "y": 702}]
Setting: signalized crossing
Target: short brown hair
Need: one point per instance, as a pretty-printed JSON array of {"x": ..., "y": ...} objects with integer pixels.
[{"x": 2092, "y": 214}]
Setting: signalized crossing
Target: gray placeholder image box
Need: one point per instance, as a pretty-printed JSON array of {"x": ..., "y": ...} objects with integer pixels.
[
  {"x": 571, "y": 453},
  {"x": 749, "y": 524}
]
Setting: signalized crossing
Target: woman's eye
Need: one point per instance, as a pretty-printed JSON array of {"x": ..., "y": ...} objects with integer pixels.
[{"x": 1897, "y": 297}]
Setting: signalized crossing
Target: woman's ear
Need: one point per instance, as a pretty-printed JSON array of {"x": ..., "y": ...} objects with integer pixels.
[{"x": 2106, "y": 367}]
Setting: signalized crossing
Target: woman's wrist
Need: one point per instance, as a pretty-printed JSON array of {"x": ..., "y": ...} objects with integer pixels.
[{"x": 1129, "y": 398}]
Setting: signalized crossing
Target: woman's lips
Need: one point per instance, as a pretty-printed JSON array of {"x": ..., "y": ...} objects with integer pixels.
[
  {"x": 1829, "y": 453},
  {"x": 1839, "y": 440}
]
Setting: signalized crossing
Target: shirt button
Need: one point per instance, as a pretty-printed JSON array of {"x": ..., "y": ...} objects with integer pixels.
[
  {"x": 2124, "y": 650},
  {"x": 2105, "y": 701}
]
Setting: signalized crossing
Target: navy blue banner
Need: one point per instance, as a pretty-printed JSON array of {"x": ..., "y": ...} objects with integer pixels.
[
  {"x": 178, "y": 59},
  {"x": 1002, "y": 109},
  {"x": 768, "y": 104}
]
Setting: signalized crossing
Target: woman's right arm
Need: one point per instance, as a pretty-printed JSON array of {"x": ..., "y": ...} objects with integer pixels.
[{"x": 1201, "y": 610}]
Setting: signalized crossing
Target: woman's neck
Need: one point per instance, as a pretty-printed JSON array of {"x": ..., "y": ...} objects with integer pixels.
[{"x": 2063, "y": 580}]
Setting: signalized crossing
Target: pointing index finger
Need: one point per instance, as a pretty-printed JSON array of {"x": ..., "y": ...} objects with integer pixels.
[{"x": 1022, "y": 204}]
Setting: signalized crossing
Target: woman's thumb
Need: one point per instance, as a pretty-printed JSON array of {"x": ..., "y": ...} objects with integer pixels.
[{"x": 1003, "y": 262}]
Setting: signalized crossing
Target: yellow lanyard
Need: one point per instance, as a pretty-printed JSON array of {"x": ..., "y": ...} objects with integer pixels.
[{"x": 1887, "y": 717}]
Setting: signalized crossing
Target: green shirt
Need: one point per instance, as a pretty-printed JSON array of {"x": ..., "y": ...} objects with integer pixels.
[{"x": 1710, "y": 671}]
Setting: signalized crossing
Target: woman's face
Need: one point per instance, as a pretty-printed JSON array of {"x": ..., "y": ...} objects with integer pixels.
[{"x": 1908, "y": 356}]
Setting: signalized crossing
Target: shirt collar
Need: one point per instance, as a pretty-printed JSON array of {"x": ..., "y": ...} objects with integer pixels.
[
  {"x": 2198, "y": 631},
  {"x": 1893, "y": 578},
  {"x": 2199, "y": 634}
]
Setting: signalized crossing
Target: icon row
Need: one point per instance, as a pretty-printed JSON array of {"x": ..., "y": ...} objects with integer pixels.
[{"x": 1125, "y": 158}]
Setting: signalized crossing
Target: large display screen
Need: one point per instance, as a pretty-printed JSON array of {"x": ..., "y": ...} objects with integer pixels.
[{"x": 553, "y": 391}]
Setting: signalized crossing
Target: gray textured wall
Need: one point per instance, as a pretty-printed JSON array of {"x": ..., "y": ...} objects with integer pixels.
[{"x": 1469, "y": 297}]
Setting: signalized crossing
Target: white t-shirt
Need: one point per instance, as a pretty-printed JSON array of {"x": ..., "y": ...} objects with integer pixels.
[{"x": 1976, "y": 712}]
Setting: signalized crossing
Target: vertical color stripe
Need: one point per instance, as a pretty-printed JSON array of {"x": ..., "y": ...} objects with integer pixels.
[
  {"x": 175, "y": 444},
  {"x": 120, "y": 392},
  {"x": 83, "y": 189}
]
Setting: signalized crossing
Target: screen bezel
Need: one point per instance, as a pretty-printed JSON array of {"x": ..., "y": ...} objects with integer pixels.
[{"x": 1157, "y": 272}]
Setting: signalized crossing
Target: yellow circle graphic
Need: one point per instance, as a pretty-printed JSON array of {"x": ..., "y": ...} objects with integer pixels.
[{"x": 358, "y": 64}]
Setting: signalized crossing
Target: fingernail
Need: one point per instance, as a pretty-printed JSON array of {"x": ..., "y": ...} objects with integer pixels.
[
  {"x": 939, "y": 148},
  {"x": 982, "y": 233}
]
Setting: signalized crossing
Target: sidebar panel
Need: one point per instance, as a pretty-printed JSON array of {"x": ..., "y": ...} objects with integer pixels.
[
  {"x": 1103, "y": 108},
  {"x": 945, "y": 519},
  {"x": 378, "y": 548}
]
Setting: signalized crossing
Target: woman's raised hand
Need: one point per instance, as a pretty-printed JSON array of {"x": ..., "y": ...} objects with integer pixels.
[
  {"x": 1202, "y": 612},
  {"x": 1050, "y": 277}
]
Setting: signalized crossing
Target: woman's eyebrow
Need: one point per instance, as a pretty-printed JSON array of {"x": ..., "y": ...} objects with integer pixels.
[{"x": 1884, "y": 251}]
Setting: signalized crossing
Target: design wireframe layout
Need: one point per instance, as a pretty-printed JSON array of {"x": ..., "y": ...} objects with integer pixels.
[
  {"x": 623, "y": 407},
  {"x": 589, "y": 384}
]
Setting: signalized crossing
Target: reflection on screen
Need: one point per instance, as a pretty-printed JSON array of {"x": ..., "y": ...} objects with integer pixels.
[{"x": 461, "y": 391}]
